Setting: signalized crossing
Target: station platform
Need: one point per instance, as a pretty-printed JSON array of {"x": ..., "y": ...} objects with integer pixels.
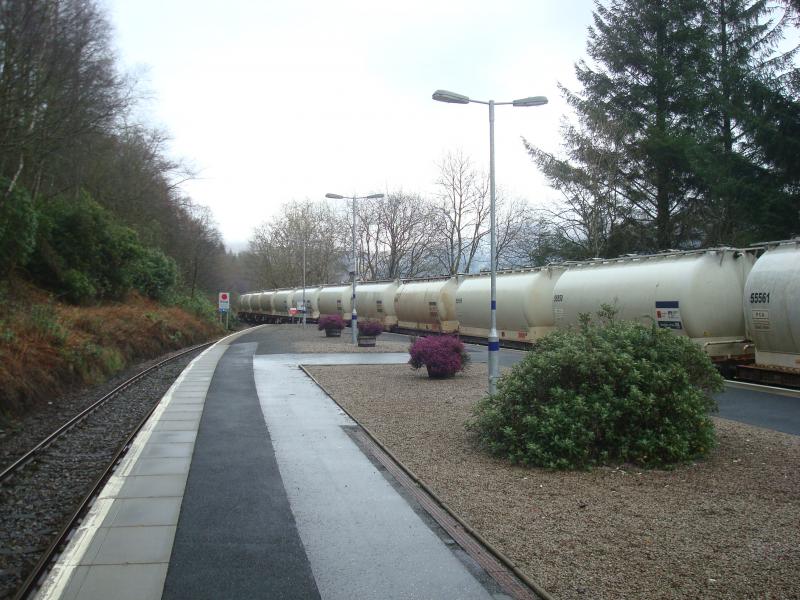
[{"x": 248, "y": 481}]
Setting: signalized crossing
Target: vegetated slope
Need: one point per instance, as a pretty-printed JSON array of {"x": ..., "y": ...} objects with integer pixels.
[{"x": 47, "y": 347}]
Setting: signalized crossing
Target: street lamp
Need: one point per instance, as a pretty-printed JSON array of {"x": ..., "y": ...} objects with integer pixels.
[
  {"x": 354, "y": 318},
  {"x": 494, "y": 340},
  {"x": 303, "y": 242}
]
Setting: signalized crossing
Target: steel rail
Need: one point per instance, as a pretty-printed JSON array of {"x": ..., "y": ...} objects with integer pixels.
[
  {"x": 9, "y": 471},
  {"x": 30, "y": 583}
]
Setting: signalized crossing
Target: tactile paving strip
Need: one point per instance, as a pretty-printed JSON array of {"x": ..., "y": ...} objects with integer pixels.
[{"x": 504, "y": 577}]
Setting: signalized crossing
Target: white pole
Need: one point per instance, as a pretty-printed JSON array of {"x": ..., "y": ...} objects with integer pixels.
[
  {"x": 304, "y": 284},
  {"x": 354, "y": 316},
  {"x": 494, "y": 340}
]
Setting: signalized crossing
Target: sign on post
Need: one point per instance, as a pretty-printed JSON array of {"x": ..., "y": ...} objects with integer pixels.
[{"x": 224, "y": 302}]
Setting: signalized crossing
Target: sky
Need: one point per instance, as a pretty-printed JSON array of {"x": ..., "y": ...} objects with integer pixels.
[{"x": 278, "y": 101}]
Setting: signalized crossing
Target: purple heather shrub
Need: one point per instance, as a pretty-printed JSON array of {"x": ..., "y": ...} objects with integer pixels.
[
  {"x": 330, "y": 322},
  {"x": 370, "y": 328},
  {"x": 444, "y": 355}
]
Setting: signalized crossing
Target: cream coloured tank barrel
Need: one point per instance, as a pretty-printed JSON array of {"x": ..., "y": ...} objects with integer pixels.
[
  {"x": 772, "y": 306},
  {"x": 282, "y": 302},
  {"x": 428, "y": 305},
  {"x": 695, "y": 293},
  {"x": 264, "y": 302},
  {"x": 244, "y": 303},
  {"x": 524, "y": 303},
  {"x": 312, "y": 301},
  {"x": 335, "y": 300},
  {"x": 376, "y": 301}
]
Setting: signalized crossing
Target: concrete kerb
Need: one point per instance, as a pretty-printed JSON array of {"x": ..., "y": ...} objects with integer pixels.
[{"x": 533, "y": 585}]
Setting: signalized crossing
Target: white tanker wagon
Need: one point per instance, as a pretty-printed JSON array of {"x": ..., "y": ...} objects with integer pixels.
[
  {"x": 772, "y": 314},
  {"x": 335, "y": 300},
  {"x": 697, "y": 294},
  {"x": 375, "y": 301},
  {"x": 524, "y": 310},
  {"x": 427, "y": 304}
]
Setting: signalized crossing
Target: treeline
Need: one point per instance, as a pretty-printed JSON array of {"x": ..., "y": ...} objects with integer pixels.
[
  {"x": 687, "y": 131},
  {"x": 90, "y": 205},
  {"x": 400, "y": 235}
]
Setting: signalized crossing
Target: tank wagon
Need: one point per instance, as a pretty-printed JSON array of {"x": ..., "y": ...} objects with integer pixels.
[
  {"x": 695, "y": 293},
  {"x": 335, "y": 300},
  {"x": 312, "y": 301},
  {"x": 427, "y": 304},
  {"x": 375, "y": 301},
  {"x": 525, "y": 313},
  {"x": 772, "y": 315}
]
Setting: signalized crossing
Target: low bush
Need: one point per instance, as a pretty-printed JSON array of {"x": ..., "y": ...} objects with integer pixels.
[
  {"x": 18, "y": 223},
  {"x": 155, "y": 274},
  {"x": 330, "y": 322},
  {"x": 370, "y": 328},
  {"x": 443, "y": 356},
  {"x": 609, "y": 392},
  {"x": 197, "y": 305}
]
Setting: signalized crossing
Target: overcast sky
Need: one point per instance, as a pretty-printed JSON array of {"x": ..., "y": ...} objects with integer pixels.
[{"x": 275, "y": 101}]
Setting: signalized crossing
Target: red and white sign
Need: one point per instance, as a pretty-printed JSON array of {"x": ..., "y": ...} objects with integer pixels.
[{"x": 224, "y": 301}]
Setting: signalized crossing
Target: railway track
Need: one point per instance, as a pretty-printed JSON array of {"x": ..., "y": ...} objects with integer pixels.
[{"x": 17, "y": 470}]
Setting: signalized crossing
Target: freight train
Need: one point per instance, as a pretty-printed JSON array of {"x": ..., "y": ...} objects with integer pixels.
[{"x": 741, "y": 306}]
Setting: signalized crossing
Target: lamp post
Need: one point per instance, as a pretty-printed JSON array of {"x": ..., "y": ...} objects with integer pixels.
[
  {"x": 354, "y": 198},
  {"x": 304, "y": 242},
  {"x": 494, "y": 340}
]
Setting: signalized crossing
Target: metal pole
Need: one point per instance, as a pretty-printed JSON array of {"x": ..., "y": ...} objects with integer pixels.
[
  {"x": 354, "y": 318},
  {"x": 304, "y": 284},
  {"x": 494, "y": 340}
]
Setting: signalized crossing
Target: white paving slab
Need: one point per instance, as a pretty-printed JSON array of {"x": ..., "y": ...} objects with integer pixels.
[{"x": 362, "y": 538}]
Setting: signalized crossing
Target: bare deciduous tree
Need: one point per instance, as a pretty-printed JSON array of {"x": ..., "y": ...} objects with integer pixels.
[{"x": 462, "y": 213}]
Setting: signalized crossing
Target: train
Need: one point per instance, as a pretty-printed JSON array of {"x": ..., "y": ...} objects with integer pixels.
[{"x": 740, "y": 305}]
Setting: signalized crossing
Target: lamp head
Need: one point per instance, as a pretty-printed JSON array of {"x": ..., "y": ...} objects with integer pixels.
[
  {"x": 451, "y": 97},
  {"x": 334, "y": 196},
  {"x": 532, "y": 101},
  {"x": 374, "y": 196}
]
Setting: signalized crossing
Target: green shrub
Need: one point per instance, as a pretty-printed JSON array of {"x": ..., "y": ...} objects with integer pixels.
[
  {"x": 82, "y": 252},
  {"x": 155, "y": 274},
  {"x": 610, "y": 392},
  {"x": 197, "y": 305},
  {"x": 17, "y": 226}
]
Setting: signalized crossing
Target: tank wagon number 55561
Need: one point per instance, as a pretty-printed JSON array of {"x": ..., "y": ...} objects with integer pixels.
[{"x": 759, "y": 298}]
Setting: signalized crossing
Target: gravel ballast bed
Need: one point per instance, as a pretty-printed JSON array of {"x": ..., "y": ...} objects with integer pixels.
[
  {"x": 36, "y": 503},
  {"x": 726, "y": 527}
]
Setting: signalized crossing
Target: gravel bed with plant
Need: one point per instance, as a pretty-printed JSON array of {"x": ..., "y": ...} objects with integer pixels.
[
  {"x": 35, "y": 504},
  {"x": 293, "y": 338},
  {"x": 724, "y": 527}
]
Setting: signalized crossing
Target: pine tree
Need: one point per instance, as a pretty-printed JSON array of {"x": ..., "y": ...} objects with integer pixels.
[
  {"x": 638, "y": 109},
  {"x": 749, "y": 118}
]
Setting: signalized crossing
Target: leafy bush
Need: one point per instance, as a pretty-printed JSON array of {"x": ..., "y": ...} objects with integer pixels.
[
  {"x": 18, "y": 222},
  {"x": 330, "y": 322},
  {"x": 82, "y": 252},
  {"x": 155, "y": 274},
  {"x": 443, "y": 356},
  {"x": 608, "y": 392},
  {"x": 370, "y": 328},
  {"x": 197, "y": 305}
]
